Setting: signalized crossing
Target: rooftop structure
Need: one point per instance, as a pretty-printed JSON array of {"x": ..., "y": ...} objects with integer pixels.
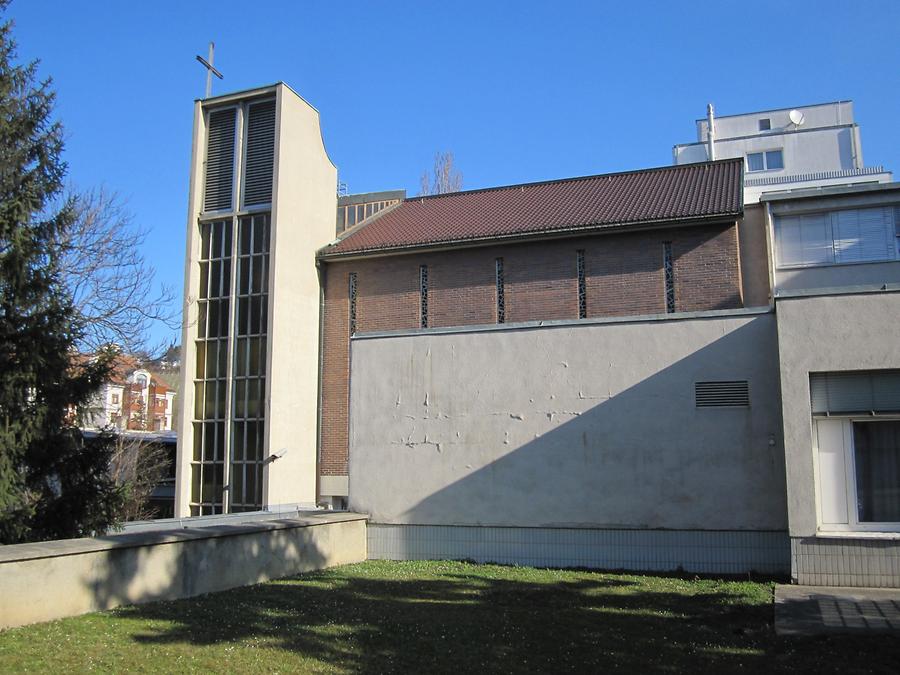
[
  {"x": 354, "y": 209},
  {"x": 787, "y": 148}
]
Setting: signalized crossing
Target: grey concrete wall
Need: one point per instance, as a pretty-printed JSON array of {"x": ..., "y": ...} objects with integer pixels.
[
  {"x": 576, "y": 425},
  {"x": 699, "y": 551},
  {"x": 873, "y": 275},
  {"x": 817, "y": 334},
  {"x": 40, "y": 582},
  {"x": 754, "y": 250}
]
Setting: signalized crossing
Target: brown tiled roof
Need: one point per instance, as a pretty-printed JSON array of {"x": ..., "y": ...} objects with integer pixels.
[
  {"x": 123, "y": 367},
  {"x": 673, "y": 193}
]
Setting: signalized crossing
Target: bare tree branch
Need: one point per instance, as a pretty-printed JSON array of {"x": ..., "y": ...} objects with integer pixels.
[
  {"x": 445, "y": 177},
  {"x": 138, "y": 465},
  {"x": 113, "y": 287}
]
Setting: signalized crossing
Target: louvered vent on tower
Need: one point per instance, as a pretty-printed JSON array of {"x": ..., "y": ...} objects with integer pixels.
[
  {"x": 728, "y": 394},
  {"x": 219, "y": 161},
  {"x": 260, "y": 158}
]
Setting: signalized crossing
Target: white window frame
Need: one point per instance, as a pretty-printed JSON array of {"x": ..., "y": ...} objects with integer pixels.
[
  {"x": 829, "y": 218},
  {"x": 849, "y": 456},
  {"x": 765, "y": 160}
]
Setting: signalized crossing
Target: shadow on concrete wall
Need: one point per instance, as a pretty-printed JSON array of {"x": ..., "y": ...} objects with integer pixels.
[
  {"x": 646, "y": 457},
  {"x": 160, "y": 568}
]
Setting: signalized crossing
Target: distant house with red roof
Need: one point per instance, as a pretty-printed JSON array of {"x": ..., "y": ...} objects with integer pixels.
[{"x": 135, "y": 398}]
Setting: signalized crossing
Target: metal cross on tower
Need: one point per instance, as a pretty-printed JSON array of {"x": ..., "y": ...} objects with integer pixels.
[{"x": 210, "y": 69}]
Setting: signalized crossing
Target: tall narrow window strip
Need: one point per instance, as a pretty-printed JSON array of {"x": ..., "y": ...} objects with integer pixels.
[
  {"x": 229, "y": 414},
  {"x": 352, "y": 292},
  {"x": 210, "y": 377},
  {"x": 501, "y": 292},
  {"x": 248, "y": 404},
  {"x": 423, "y": 295},
  {"x": 669, "y": 270},
  {"x": 582, "y": 286}
]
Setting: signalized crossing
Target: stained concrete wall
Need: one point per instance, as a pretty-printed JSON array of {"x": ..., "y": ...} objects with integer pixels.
[
  {"x": 820, "y": 334},
  {"x": 582, "y": 424},
  {"x": 40, "y": 582}
]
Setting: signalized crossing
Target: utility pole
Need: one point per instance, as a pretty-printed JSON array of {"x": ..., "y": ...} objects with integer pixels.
[{"x": 210, "y": 69}]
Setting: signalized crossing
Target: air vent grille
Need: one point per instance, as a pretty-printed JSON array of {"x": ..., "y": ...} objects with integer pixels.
[
  {"x": 727, "y": 394},
  {"x": 260, "y": 154},
  {"x": 219, "y": 161}
]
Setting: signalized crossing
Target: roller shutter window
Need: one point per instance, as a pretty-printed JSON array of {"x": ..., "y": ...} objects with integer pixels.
[
  {"x": 260, "y": 156},
  {"x": 865, "y": 392},
  {"x": 219, "y": 179}
]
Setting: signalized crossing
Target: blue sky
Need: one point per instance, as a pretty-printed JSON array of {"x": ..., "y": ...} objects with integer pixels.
[{"x": 518, "y": 91}]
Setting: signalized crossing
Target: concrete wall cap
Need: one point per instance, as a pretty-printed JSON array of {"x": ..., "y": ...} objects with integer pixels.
[{"x": 64, "y": 547}]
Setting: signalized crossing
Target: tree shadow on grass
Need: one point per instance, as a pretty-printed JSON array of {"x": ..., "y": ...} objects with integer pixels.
[{"x": 352, "y": 621}]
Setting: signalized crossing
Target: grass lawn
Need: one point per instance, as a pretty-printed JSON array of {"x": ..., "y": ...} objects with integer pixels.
[{"x": 448, "y": 616}]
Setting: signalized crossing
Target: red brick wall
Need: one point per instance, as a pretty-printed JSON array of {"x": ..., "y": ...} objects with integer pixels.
[
  {"x": 623, "y": 276},
  {"x": 335, "y": 372},
  {"x": 707, "y": 269}
]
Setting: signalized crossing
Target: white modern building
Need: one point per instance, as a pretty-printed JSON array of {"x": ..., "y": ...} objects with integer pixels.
[{"x": 786, "y": 149}]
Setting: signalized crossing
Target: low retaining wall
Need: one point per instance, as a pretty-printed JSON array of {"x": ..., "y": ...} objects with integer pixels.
[
  {"x": 51, "y": 580},
  {"x": 699, "y": 551}
]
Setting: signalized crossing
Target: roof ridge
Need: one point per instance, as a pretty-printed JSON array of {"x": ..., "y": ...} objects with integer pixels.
[
  {"x": 771, "y": 110},
  {"x": 673, "y": 193},
  {"x": 572, "y": 179}
]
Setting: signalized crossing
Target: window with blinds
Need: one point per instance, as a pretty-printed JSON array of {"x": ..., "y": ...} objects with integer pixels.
[
  {"x": 218, "y": 186},
  {"x": 839, "y": 237},
  {"x": 845, "y": 393},
  {"x": 259, "y": 160}
]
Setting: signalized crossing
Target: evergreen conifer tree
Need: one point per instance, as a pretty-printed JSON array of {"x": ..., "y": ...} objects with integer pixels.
[{"x": 53, "y": 482}]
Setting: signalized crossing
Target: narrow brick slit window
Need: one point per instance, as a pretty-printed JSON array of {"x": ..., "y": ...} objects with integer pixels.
[
  {"x": 501, "y": 292},
  {"x": 669, "y": 270},
  {"x": 423, "y": 295},
  {"x": 352, "y": 292},
  {"x": 582, "y": 290}
]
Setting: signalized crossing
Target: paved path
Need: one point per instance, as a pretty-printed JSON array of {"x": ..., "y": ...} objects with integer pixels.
[{"x": 814, "y": 610}]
